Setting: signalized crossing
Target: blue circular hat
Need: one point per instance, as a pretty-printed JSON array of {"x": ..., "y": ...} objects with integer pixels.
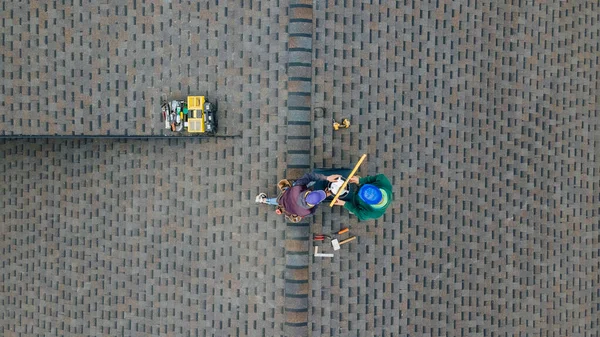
[
  {"x": 315, "y": 197},
  {"x": 370, "y": 194}
]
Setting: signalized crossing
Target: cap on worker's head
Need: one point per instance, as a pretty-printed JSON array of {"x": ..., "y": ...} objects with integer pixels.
[
  {"x": 384, "y": 199},
  {"x": 370, "y": 194},
  {"x": 315, "y": 197}
]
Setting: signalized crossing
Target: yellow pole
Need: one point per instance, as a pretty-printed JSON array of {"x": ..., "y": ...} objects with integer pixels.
[{"x": 337, "y": 195}]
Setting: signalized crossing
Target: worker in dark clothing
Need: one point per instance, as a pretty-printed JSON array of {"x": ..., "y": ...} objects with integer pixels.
[
  {"x": 298, "y": 200},
  {"x": 373, "y": 197}
]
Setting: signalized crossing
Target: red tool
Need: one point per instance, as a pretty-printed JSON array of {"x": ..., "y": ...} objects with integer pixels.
[{"x": 320, "y": 237}]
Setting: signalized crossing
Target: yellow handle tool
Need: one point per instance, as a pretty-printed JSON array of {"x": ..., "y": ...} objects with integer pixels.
[{"x": 347, "y": 240}]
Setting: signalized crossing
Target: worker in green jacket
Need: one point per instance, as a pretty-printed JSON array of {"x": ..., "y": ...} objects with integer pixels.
[{"x": 373, "y": 197}]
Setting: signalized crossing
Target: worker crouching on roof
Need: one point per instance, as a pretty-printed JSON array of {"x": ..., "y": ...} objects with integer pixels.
[
  {"x": 372, "y": 199},
  {"x": 299, "y": 200}
]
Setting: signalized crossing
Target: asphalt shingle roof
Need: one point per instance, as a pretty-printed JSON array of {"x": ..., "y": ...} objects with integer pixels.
[{"x": 482, "y": 114}]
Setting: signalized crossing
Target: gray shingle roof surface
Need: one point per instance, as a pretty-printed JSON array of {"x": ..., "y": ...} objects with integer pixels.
[{"x": 482, "y": 114}]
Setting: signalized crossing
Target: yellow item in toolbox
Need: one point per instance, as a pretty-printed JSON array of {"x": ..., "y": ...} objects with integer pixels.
[
  {"x": 195, "y": 102},
  {"x": 196, "y": 107},
  {"x": 195, "y": 125}
]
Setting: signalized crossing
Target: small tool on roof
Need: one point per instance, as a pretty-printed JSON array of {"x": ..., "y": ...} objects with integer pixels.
[{"x": 336, "y": 244}]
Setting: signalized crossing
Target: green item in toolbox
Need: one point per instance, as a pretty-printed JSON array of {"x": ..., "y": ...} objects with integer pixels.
[{"x": 185, "y": 110}]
